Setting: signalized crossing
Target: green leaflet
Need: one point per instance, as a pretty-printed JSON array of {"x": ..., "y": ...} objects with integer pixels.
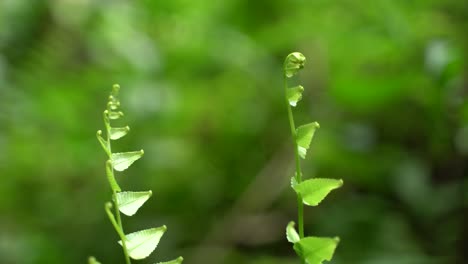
[
  {"x": 304, "y": 136},
  {"x": 294, "y": 94},
  {"x": 313, "y": 191},
  {"x": 291, "y": 233},
  {"x": 92, "y": 260},
  {"x": 140, "y": 244},
  {"x": 312, "y": 249},
  {"x": 316, "y": 249},
  {"x": 118, "y": 132},
  {"x": 293, "y": 182},
  {"x": 121, "y": 161},
  {"x": 113, "y": 105},
  {"x": 175, "y": 261},
  {"x": 114, "y": 115},
  {"x": 130, "y": 202}
]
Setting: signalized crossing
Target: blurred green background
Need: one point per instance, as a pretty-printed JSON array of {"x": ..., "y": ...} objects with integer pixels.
[{"x": 202, "y": 92}]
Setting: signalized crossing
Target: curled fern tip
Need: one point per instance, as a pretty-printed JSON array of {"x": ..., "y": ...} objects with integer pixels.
[{"x": 293, "y": 63}]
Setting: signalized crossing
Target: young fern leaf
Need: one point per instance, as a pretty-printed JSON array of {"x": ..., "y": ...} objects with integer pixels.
[
  {"x": 121, "y": 161},
  {"x": 293, "y": 63},
  {"x": 311, "y": 250},
  {"x": 114, "y": 115},
  {"x": 291, "y": 233},
  {"x": 137, "y": 245},
  {"x": 142, "y": 243},
  {"x": 118, "y": 132},
  {"x": 113, "y": 103},
  {"x": 316, "y": 249},
  {"x": 313, "y": 191},
  {"x": 304, "y": 135},
  {"x": 294, "y": 94},
  {"x": 130, "y": 202}
]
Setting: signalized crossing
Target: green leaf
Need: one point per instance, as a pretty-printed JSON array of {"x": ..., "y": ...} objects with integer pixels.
[
  {"x": 140, "y": 244},
  {"x": 121, "y": 161},
  {"x": 114, "y": 115},
  {"x": 293, "y": 182},
  {"x": 313, "y": 191},
  {"x": 304, "y": 136},
  {"x": 316, "y": 249},
  {"x": 92, "y": 260},
  {"x": 130, "y": 202},
  {"x": 291, "y": 233},
  {"x": 118, "y": 132},
  {"x": 294, "y": 94},
  {"x": 175, "y": 261},
  {"x": 113, "y": 105}
]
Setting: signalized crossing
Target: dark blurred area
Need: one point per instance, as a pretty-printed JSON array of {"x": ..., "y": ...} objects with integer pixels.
[{"x": 202, "y": 92}]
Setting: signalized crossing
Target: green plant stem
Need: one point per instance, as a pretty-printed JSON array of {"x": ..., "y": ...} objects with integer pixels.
[
  {"x": 121, "y": 233},
  {"x": 108, "y": 207},
  {"x": 118, "y": 226},
  {"x": 298, "y": 176}
]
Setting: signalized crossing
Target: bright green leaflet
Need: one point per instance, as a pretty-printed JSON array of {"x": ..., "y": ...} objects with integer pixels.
[
  {"x": 92, "y": 260},
  {"x": 118, "y": 132},
  {"x": 316, "y": 249},
  {"x": 312, "y": 250},
  {"x": 130, "y": 202},
  {"x": 313, "y": 191},
  {"x": 294, "y": 94},
  {"x": 304, "y": 135},
  {"x": 121, "y": 161},
  {"x": 140, "y": 244},
  {"x": 291, "y": 233}
]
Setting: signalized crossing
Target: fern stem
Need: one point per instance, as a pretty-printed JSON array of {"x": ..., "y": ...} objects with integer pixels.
[
  {"x": 117, "y": 225},
  {"x": 111, "y": 216},
  {"x": 118, "y": 229},
  {"x": 119, "y": 222},
  {"x": 298, "y": 174}
]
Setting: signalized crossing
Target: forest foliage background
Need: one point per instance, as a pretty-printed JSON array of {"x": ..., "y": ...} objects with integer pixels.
[{"x": 201, "y": 89}]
